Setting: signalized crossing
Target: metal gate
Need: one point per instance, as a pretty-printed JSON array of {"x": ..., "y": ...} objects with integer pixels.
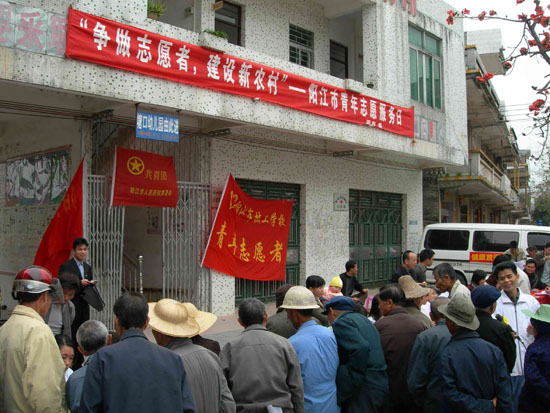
[
  {"x": 375, "y": 234},
  {"x": 184, "y": 236},
  {"x": 265, "y": 290},
  {"x": 105, "y": 233}
]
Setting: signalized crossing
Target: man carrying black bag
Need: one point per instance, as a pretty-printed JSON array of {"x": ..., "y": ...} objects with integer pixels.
[{"x": 83, "y": 270}]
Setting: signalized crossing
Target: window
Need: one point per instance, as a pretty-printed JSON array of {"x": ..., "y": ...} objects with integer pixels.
[
  {"x": 494, "y": 241},
  {"x": 539, "y": 239},
  {"x": 301, "y": 46},
  {"x": 444, "y": 239},
  {"x": 425, "y": 67},
  {"x": 338, "y": 60},
  {"x": 228, "y": 20}
]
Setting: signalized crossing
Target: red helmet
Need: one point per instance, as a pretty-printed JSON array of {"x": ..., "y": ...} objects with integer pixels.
[{"x": 36, "y": 280}]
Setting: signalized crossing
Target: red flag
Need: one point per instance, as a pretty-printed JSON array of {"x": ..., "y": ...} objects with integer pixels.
[
  {"x": 144, "y": 179},
  {"x": 249, "y": 237},
  {"x": 66, "y": 225}
]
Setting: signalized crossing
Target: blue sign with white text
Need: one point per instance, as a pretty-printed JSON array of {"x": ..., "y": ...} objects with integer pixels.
[{"x": 158, "y": 127}]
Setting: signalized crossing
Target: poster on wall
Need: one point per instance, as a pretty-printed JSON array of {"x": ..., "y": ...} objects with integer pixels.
[
  {"x": 153, "y": 221},
  {"x": 37, "y": 179}
]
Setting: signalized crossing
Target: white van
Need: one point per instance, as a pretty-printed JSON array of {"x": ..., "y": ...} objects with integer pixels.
[{"x": 470, "y": 247}]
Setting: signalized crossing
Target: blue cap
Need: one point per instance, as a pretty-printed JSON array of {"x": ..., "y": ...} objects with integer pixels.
[
  {"x": 340, "y": 304},
  {"x": 484, "y": 296}
]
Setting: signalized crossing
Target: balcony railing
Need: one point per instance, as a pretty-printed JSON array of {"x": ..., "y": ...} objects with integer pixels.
[{"x": 481, "y": 166}]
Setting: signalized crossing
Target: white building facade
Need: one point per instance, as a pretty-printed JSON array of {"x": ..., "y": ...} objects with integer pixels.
[{"x": 399, "y": 52}]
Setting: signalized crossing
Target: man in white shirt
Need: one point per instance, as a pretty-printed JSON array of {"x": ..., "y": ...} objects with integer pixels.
[
  {"x": 509, "y": 309},
  {"x": 523, "y": 284},
  {"x": 446, "y": 281}
]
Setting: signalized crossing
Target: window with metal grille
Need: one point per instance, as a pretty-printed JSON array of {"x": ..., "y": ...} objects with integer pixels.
[
  {"x": 301, "y": 46},
  {"x": 338, "y": 60},
  {"x": 228, "y": 20},
  {"x": 425, "y": 68}
]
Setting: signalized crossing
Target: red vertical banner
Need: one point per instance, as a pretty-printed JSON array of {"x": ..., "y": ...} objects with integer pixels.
[
  {"x": 66, "y": 225},
  {"x": 144, "y": 179},
  {"x": 249, "y": 236}
]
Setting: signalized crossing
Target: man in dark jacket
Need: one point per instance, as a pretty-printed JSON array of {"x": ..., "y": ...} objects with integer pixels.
[
  {"x": 398, "y": 331},
  {"x": 279, "y": 323},
  {"x": 349, "y": 281},
  {"x": 495, "y": 332},
  {"x": 424, "y": 367},
  {"x": 538, "y": 257},
  {"x": 135, "y": 375},
  {"x": 425, "y": 260},
  {"x": 361, "y": 381},
  {"x": 406, "y": 268},
  {"x": 77, "y": 266},
  {"x": 473, "y": 371}
]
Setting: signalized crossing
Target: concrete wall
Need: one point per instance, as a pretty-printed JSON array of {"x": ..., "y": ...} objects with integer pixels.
[
  {"x": 324, "y": 236},
  {"x": 431, "y": 199},
  {"x": 385, "y": 29},
  {"x": 22, "y": 227}
]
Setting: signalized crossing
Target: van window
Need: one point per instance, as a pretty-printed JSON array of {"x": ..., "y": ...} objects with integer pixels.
[
  {"x": 538, "y": 238},
  {"x": 445, "y": 239},
  {"x": 494, "y": 241}
]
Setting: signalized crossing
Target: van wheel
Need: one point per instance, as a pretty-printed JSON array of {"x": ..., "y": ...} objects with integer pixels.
[{"x": 462, "y": 279}]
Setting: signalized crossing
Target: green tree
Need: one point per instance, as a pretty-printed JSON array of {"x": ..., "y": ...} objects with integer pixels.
[{"x": 542, "y": 209}]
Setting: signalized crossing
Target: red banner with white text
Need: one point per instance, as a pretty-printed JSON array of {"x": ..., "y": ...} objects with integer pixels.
[
  {"x": 249, "y": 237},
  {"x": 144, "y": 179},
  {"x": 109, "y": 43}
]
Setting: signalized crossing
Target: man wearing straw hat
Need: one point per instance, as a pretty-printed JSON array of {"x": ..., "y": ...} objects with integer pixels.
[
  {"x": 416, "y": 296},
  {"x": 173, "y": 324},
  {"x": 473, "y": 371}
]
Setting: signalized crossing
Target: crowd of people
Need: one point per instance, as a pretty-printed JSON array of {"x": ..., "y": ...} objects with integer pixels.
[{"x": 329, "y": 348}]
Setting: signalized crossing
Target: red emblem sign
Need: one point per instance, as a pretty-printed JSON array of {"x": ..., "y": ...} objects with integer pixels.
[
  {"x": 249, "y": 237},
  {"x": 109, "y": 43},
  {"x": 144, "y": 179}
]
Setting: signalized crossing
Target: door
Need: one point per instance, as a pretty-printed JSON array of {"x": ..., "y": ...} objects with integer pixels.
[
  {"x": 104, "y": 227},
  {"x": 375, "y": 234},
  {"x": 265, "y": 290},
  {"x": 184, "y": 235}
]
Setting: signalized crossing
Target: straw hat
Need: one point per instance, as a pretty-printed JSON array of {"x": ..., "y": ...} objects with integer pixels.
[
  {"x": 177, "y": 319},
  {"x": 411, "y": 288},
  {"x": 542, "y": 314}
]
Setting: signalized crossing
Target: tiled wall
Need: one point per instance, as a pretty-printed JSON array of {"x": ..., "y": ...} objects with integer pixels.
[
  {"x": 385, "y": 46},
  {"x": 324, "y": 236}
]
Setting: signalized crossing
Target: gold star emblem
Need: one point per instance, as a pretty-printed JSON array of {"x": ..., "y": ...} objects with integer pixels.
[{"x": 135, "y": 165}]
